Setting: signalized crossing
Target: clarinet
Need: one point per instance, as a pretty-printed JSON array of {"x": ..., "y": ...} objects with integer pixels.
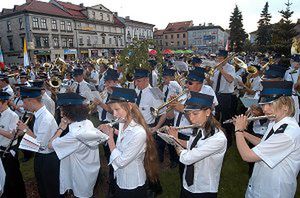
[{"x": 15, "y": 136}]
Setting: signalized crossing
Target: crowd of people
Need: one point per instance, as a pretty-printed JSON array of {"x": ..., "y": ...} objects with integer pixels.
[{"x": 205, "y": 103}]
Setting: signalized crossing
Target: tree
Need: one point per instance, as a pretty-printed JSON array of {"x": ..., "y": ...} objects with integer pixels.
[
  {"x": 237, "y": 32},
  {"x": 283, "y": 32},
  {"x": 264, "y": 31}
]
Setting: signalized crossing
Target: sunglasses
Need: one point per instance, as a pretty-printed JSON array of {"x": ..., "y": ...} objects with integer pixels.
[{"x": 190, "y": 82}]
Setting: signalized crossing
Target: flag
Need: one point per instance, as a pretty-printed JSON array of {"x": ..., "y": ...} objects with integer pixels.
[
  {"x": 1, "y": 60},
  {"x": 26, "y": 58},
  {"x": 227, "y": 45}
]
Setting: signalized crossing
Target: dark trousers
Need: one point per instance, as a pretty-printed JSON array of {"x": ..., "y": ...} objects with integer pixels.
[
  {"x": 186, "y": 194},
  {"x": 224, "y": 111},
  {"x": 46, "y": 170},
  {"x": 14, "y": 184},
  {"x": 140, "y": 191}
]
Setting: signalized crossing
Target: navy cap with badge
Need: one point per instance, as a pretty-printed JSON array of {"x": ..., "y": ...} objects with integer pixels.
[
  {"x": 273, "y": 90},
  {"x": 152, "y": 63},
  {"x": 4, "y": 95},
  {"x": 196, "y": 60},
  {"x": 168, "y": 72},
  {"x": 141, "y": 73},
  {"x": 275, "y": 71},
  {"x": 111, "y": 74},
  {"x": 198, "y": 101},
  {"x": 77, "y": 71},
  {"x": 122, "y": 95},
  {"x": 222, "y": 53},
  {"x": 65, "y": 99},
  {"x": 296, "y": 58},
  {"x": 30, "y": 92},
  {"x": 197, "y": 74}
]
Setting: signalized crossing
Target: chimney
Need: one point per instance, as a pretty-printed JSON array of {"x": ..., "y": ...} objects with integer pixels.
[
  {"x": 116, "y": 13},
  {"x": 81, "y": 5},
  {"x": 127, "y": 17}
]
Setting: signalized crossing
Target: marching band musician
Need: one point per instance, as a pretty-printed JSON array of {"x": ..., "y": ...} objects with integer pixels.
[
  {"x": 153, "y": 77},
  {"x": 205, "y": 149},
  {"x": 5, "y": 86},
  {"x": 146, "y": 98},
  {"x": 78, "y": 149},
  {"x": 94, "y": 76},
  {"x": 45, "y": 127},
  {"x": 254, "y": 83},
  {"x": 133, "y": 155},
  {"x": 277, "y": 154},
  {"x": 102, "y": 71},
  {"x": 23, "y": 79},
  {"x": 14, "y": 184},
  {"x": 223, "y": 85}
]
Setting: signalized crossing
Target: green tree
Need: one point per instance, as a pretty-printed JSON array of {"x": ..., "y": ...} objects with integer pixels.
[
  {"x": 264, "y": 31},
  {"x": 283, "y": 32},
  {"x": 237, "y": 32}
]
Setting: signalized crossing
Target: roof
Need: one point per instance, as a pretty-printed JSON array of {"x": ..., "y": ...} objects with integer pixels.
[
  {"x": 133, "y": 21},
  {"x": 73, "y": 9},
  {"x": 178, "y": 27},
  {"x": 158, "y": 32},
  {"x": 118, "y": 22},
  {"x": 206, "y": 27}
]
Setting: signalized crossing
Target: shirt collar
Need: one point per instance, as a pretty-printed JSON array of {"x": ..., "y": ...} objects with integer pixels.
[
  {"x": 285, "y": 120},
  {"x": 40, "y": 111}
]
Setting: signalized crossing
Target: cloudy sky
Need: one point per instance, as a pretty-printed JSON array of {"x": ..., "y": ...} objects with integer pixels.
[{"x": 161, "y": 12}]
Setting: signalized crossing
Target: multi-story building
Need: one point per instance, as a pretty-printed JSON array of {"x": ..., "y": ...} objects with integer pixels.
[
  {"x": 136, "y": 29},
  {"x": 158, "y": 36},
  {"x": 57, "y": 29},
  {"x": 176, "y": 36},
  {"x": 207, "y": 38}
]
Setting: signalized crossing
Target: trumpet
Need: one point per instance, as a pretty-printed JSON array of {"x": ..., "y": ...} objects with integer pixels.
[
  {"x": 155, "y": 111},
  {"x": 165, "y": 128},
  {"x": 251, "y": 119}
]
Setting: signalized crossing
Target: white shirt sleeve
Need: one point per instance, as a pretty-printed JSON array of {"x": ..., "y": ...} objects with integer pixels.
[
  {"x": 65, "y": 146},
  {"x": 275, "y": 149}
]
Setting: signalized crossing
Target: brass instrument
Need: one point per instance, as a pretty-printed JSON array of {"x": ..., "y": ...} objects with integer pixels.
[
  {"x": 55, "y": 82},
  {"x": 212, "y": 70},
  {"x": 92, "y": 106},
  {"x": 251, "y": 119},
  {"x": 101, "y": 61},
  {"x": 155, "y": 112},
  {"x": 165, "y": 128},
  {"x": 47, "y": 66},
  {"x": 13, "y": 75},
  {"x": 62, "y": 65},
  {"x": 249, "y": 69}
]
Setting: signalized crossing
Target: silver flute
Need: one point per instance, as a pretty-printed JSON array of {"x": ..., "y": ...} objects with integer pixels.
[
  {"x": 251, "y": 119},
  {"x": 165, "y": 128}
]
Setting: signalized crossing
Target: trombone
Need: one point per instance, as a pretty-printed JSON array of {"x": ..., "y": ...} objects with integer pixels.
[
  {"x": 212, "y": 70},
  {"x": 156, "y": 111}
]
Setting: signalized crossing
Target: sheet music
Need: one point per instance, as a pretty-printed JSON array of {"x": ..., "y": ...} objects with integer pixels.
[
  {"x": 248, "y": 102},
  {"x": 170, "y": 140},
  {"x": 29, "y": 143}
]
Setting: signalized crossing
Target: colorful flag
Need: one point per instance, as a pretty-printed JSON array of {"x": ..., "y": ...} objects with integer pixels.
[
  {"x": 26, "y": 58},
  {"x": 2, "y": 65},
  {"x": 227, "y": 45}
]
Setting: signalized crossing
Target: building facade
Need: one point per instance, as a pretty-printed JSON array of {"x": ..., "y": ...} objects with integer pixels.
[
  {"x": 158, "y": 36},
  {"x": 207, "y": 39}
]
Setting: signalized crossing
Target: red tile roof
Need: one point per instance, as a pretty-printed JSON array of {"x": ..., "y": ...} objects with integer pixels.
[
  {"x": 118, "y": 22},
  {"x": 74, "y": 10},
  {"x": 178, "y": 27},
  {"x": 158, "y": 32}
]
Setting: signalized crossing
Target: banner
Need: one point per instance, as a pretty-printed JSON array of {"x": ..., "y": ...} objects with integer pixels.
[
  {"x": 26, "y": 58},
  {"x": 1, "y": 60}
]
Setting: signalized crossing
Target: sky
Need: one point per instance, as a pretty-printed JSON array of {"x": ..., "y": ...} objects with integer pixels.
[{"x": 162, "y": 12}]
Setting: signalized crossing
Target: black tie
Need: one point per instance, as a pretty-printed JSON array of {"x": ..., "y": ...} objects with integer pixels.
[
  {"x": 139, "y": 98},
  {"x": 166, "y": 94},
  {"x": 103, "y": 115},
  {"x": 189, "y": 174},
  {"x": 179, "y": 119},
  {"x": 279, "y": 130},
  {"x": 77, "y": 90},
  {"x": 218, "y": 83}
]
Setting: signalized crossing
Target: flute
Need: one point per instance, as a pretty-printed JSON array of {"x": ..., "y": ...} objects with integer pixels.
[
  {"x": 251, "y": 119},
  {"x": 165, "y": 128}
]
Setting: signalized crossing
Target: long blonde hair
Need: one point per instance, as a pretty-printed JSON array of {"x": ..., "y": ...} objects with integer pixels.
[
  {"x": 285, "y": 101},
  {"x": 151, "y": 159}
]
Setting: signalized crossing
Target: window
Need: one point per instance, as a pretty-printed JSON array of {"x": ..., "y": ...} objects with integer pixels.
[
  {"x": 171, "y": 36},
  {"x": 166, "y": 36},
  {"x": 88, "y": 40},
  {"x": 177, "y": 35},
  {"x": 166, "y": 43},
  {"x": 37, "y": 41},
  {"x": 43, "y": 24},
  {"x": 22, "y": 42},
  {"x": 80, "y": 40},
  {"x": 183, "y": 36},
  {"x": 121, "y": 41},
  {"x": 35, "y": 22},
  {"x": 109, "y": 41},
  {"x": 108, "y": 17},
  {"x": 55, "y": 42},
  {"x": 69, "y": 27},
  {"x": 62, "y": 26},
  {"x": 183, "y": 42},
  {"x": 8, "y": 26},
  {"x": 64, "y": 42},
  {"x": 103, "y": 40},
  {"x": 70, "y": 40},
  {"x": 21, "y": 24},
  {"x": 45, "y": 41},
  {"x": 54, "y": 24},
  {"x": 93, "y": 15},
  {"x": 178, "y": 43},
  {"x": 160, "y": 42},
  {"x": 116, "y": 41},
  {"x": 11, "y": 44},
  {"x": 101, "y": 16}
]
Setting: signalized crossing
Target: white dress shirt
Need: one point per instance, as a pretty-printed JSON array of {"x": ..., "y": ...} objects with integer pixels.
[
  {"x": 95, "y": 76},
  {"x": 174, "y": 89},
  {"x": 44, "y": 128},
  {"x": 49, "y": 103},
  {"x": 79, "y": 158},
  {"x": 84, "y": 91},
  {"x": 2, "y": 177},
  {"x": 225, "y": 87},
  {"x": 276, "y": 174},
  {"x": 255, "y": 86},
  {"x": 207, "y": 157},
  {"x": 8, "y": 122},
  {"x": 109, "y": 116},
  {"x": 154, "y": 78},
  {"x": 127, "y": 158},
  {"x": 148, "y": 100},
  {"x": 18, "y": 101}
]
